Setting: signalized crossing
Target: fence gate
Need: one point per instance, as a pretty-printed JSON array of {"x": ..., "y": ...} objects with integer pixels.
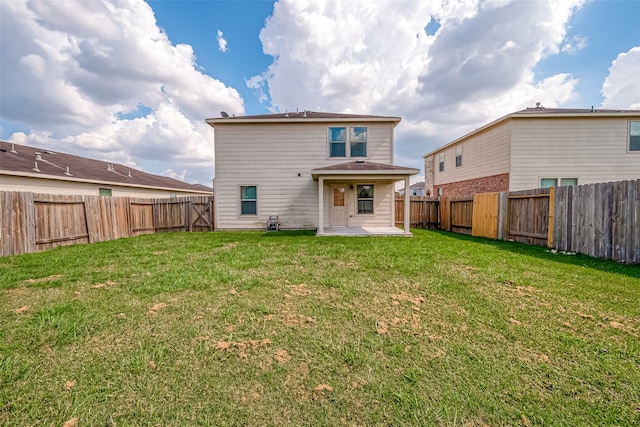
[{"x": 201, "y": 214}]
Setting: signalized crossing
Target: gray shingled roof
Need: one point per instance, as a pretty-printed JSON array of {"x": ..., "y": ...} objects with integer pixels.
[
  {"x": 364, "y": 166},
  {"x": 300, "y": 116},
  {"x": 54, "y": 165},
  {"x": 545, "y": 110}
]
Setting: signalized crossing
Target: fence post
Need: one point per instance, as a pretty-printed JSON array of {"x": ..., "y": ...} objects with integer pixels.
[
  {"x": 424, "y": 212},
  {"x": 552, "y": 200},
  {"x": 503, "y": 211}
]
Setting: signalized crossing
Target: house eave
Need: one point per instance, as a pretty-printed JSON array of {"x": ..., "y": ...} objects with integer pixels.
[
  {"x": 236, "y": 120},
  {"x": 378, "y": 174},
  {"x": 99, "y": 182}
]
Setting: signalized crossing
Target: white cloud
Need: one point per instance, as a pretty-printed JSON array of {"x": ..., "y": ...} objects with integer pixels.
[
  {"x": 173, "y": 174},
  {"x": 362, "y": 56},
  {"x": 621, "y": 89},
  {"x": 574, "y": 44},
  {"x": 222, "y": 42},
  {"x": 72, "y": 68}
]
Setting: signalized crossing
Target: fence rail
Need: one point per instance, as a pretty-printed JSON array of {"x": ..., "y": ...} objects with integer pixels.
[{"x": 35, "y": 222}]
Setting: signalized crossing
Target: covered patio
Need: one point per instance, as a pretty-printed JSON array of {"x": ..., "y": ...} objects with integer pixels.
[{"x": 358, "y": 199}]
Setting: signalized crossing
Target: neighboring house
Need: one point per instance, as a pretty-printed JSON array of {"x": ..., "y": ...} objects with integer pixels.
[
  {"x": 324, "y": 171},
  {"x": 538, "y": 147},
  {"x": 416, "y": 189},
  {"x": 39, "y": 170}
]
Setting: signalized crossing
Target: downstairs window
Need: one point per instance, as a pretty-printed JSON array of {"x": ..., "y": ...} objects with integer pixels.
[{"x": 365, "y": 199}]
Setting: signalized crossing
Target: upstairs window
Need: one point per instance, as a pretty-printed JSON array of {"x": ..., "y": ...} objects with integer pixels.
[
  {"x": 341, "y": 137},
  {"x": 634, "y": 136},
  {"x": 459, "y": 156},
  {"x": 358, "y": 140},
  {"x": 365, "y": 199},
  {"x": 248, "y": 200},
  {"x": 337, "y": 142},
  {"x": 441, "y": 162}
]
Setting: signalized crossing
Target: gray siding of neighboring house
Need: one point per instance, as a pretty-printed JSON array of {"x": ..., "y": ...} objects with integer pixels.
[{"x": 591, "y": 149}]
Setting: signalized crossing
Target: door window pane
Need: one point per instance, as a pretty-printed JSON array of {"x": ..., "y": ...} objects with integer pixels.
[{"x": 338, "y": 197}]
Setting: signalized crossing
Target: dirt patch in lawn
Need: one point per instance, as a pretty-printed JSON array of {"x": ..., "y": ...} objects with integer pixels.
[
  {"x": 241, "y": 348},
  {"x": 44, "y": 279}
]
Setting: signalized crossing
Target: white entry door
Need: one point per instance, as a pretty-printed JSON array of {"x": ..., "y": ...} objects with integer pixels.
[{"x": 339, "y": 205}]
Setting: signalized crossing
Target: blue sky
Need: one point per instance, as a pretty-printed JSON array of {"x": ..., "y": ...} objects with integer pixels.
[{"x": 131, "y": 82}]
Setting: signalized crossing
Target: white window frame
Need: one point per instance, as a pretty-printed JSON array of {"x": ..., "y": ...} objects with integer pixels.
[
  {"x": 629, "y": 150},
  {"x": 240, "y": 200},
  {"x": 349, "y": 139},
  {"x": 459, "y": 156},
  {"x": 441, "y": 162},
  {"x": 372, "y": 199}
]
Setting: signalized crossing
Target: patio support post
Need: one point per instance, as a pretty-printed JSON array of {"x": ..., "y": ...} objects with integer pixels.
[
  {"x": 407, "y": 217},
  {"x": 320, "y": 206}
]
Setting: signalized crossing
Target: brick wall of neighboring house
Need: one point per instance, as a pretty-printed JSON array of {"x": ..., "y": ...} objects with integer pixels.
[{"x": 485, "y": 184}]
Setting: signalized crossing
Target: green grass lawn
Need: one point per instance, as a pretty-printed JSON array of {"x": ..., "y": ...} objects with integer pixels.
[{"x": 291, "y": 329}]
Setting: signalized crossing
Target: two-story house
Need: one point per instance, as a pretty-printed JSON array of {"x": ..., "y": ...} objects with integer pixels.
[
  {"x": 333, "y": 173},
  {"x": 538, "y": 147}
]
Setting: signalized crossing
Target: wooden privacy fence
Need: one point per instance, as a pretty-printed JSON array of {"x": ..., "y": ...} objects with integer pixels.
[
  {"x": 35, "y": 222},
  {"x": 423, "y": 212},
  {"x": 601, "y": 220}
]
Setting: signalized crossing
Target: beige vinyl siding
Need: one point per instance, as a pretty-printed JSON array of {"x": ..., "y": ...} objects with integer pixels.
[
  {"x": 383, "y": 197},
  {"x": 592, "y": 149},
  {"x": 271, "y": 156},
  {"x": 483, "y": 154},
  {"x": 74, "y": 188}
]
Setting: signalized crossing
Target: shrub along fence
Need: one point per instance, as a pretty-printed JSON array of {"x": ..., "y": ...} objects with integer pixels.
[
  {"x": 601, "y": 220},
  {"x": 35, "y": 222}
]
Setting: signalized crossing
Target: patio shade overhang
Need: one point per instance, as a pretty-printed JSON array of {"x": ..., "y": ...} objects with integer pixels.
[{"x": 363, "y": 169}]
